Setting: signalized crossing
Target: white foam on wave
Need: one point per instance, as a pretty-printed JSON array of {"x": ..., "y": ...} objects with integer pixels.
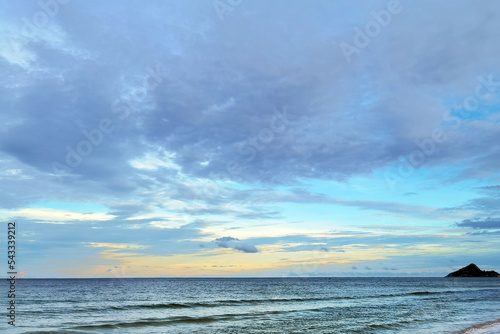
[{"x": 487, "y": 328}]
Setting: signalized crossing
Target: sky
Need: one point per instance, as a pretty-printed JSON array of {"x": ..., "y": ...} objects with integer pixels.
[{"x": 250, "y": 138}]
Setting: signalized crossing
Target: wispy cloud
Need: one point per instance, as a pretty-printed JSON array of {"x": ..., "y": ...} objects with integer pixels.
[
  {"x": 487, "y": 223},
  {"x": 57, "y": 215},
  {"x": 113, "y": 246}
]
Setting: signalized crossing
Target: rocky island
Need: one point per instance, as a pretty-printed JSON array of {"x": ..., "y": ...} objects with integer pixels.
[{"x": 473, "y": 271}]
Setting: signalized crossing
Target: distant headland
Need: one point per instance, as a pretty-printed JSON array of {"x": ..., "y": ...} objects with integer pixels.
[{"x": 473, "y": 271}]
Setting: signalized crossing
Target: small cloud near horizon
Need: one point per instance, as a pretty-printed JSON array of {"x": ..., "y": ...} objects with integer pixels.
[{"x": 235, "y": 243}]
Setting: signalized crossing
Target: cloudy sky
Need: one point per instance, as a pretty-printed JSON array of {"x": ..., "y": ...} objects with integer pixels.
[{"x": 250, "y": 138}]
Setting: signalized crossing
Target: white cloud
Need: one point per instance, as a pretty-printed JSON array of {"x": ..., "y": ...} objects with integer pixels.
[
  {"x": 15, "y": 52},
  {"x": 15, "y": 173},
  {"x": 56, "y": 215},
  {"x": 216, "y": 108},
  {"x": 114, "y": 246},
  {"x": 153, "y": 160},
  {"x": 17, "y": 48}
]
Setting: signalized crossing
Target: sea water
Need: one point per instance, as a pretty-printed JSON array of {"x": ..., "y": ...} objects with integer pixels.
[{"x": 255, "y": 305}]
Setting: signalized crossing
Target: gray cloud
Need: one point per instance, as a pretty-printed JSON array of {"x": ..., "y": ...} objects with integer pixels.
[
  {"x": 214, "y": 104},
  {"x": 246, "y": 248},
  {"x": 491, "y": 190},
  {"x": 224, "y": 241},
  {"x": 483, "y": 205},
  {"x": 235, "y": 243},
  {"x": 487, "y": 224}
]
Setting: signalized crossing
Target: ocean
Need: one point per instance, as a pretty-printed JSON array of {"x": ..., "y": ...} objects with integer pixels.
[{"x": 255, "y": 305}]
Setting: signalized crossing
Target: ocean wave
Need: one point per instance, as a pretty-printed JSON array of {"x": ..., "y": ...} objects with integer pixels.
[
  {"x": 491, "y": 327},
  {"x": 232, "y": 302},
  {"x": 155, "y": 322},
  {"x": 240, "y": 302},
  {"x": 219, "y": 303},
  {"x": 143, "y": 323}
]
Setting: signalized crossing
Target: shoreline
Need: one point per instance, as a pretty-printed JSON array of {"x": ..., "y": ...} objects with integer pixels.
[{"x": 490, "y": 327}]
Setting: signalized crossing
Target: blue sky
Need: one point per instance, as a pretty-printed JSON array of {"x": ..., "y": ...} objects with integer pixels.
[{"x": 250, "y": 138}]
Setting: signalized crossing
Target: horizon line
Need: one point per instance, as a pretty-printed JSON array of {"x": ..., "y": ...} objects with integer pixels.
[{"x": 238, "y": 277}]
